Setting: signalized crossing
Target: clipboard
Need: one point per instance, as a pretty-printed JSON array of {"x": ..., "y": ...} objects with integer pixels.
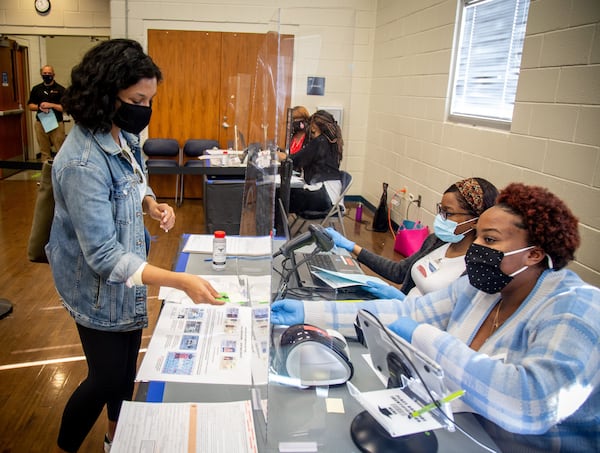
[{"x": 48, "y": 120}]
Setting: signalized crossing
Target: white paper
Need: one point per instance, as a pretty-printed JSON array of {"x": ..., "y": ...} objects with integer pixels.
[
  {"x": 48, "y": 120},
  {"x": 185, "y": 427},
  {"x": 391, "y": 408},
  {"x": 341, "y": 279},
  {"x": 244, "y": 289},
  {"x": 236, "y": 245},
  {"x": 203, "y": 344}
]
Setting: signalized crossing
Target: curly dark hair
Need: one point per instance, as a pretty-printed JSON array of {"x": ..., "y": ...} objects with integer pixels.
[
  {"x": 550, "y": 224},
  {"x": 105, "y": 69},
  {"x": 488, "y": 198},
  {"x": 330, "y": 129}
]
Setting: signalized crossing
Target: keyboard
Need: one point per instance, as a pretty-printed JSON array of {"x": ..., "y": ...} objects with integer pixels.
[{"x": 323, "y": 261}]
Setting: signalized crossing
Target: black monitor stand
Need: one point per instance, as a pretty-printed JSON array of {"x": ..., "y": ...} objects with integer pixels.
[{"x": 370, "y": 437}]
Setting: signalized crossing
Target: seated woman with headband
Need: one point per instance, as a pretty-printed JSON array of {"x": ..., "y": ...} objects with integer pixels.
[{"x": 441, "y": 259}]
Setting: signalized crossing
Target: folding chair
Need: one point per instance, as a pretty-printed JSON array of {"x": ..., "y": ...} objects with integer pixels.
[{"x": 335, "y": 213}]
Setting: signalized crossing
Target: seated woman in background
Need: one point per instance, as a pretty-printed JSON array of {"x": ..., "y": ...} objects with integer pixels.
[
  {"x": 299, "y": 129},
  {"x": 441, "y": 259},
  {"x": 319, "y": 160},
  {"x": 519, "y": 333}
]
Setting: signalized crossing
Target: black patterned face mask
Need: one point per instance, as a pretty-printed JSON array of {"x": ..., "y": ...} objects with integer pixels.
[{"x": 483, "y": 268}]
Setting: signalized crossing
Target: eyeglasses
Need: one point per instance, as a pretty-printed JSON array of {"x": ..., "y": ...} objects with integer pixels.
[{"x": 445, "y": 214}]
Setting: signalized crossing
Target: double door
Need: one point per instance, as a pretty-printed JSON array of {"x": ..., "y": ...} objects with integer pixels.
[{"x": 230, "y": 87}]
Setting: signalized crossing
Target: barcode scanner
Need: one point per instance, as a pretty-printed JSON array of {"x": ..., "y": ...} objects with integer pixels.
[{"x": 314, "y": 356}]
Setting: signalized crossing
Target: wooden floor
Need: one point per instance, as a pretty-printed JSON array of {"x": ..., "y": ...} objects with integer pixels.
[{"x": 41, "y": 360}]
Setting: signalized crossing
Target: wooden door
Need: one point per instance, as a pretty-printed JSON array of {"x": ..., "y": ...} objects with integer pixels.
[
  {"x": 13, "y": 132},
  {"x": 187, "y": 102}
]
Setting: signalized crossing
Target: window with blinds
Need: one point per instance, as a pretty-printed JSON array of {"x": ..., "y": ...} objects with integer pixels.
[{"x": 488, "y": 59}]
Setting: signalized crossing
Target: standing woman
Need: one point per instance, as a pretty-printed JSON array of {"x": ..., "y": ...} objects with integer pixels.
[
  {"x": 98, "y": 244},
  {"x": 319, "y": 160}
]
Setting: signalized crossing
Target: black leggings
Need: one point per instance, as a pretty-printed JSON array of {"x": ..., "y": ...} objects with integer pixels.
[{"x": 112, "y": 363}]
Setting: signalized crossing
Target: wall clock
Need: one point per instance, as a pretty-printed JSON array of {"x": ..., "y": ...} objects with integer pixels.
[{"x": 42, "y": 6}]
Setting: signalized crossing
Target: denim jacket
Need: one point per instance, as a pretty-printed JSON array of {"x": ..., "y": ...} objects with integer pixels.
[{"x": 97, "y": 240}]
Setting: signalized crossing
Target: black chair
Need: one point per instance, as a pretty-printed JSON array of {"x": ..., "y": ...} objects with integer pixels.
[
  {"x": 335, "y": 213},
  {"x": 164, "y": 157},
  {"x": 192, "y": 149}
]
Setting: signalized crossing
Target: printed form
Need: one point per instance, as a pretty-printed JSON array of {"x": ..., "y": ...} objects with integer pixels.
[
  {"x": 185, "y": 428},
  {"x": 206, "y": 344}
]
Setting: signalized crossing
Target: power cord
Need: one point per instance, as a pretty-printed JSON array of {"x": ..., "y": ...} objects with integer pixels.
[{"x": 285, "y": 277}]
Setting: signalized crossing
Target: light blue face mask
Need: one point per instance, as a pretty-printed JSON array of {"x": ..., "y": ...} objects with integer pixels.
[{"x": 444, "y": 229}]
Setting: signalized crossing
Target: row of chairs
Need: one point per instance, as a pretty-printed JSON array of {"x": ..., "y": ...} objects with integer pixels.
[{"x": 166, "y": 153}]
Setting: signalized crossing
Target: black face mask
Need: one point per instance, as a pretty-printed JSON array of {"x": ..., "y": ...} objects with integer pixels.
[
  {"x": 47, "y": 78},
  {"x": 483, "y": 268},
  {"x": 297, "y": 126},
  {"x": 132, "y": 118}
]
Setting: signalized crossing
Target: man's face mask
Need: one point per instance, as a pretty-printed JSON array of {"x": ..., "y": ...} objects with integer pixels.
[
  {"x": 48, "y": 78},
  {"x": 132, "y": 118},
  {"x": 483, "y": 268}
]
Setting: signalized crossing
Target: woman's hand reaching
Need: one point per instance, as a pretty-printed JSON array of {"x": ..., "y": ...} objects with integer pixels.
[{"x": 200, "y": 290}]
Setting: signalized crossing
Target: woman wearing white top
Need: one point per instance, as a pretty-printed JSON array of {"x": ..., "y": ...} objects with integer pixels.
[{"x": 441, "y": 259}]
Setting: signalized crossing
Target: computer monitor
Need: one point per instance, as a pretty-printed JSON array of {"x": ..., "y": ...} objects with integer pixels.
[{"x": 407, "y": 368}]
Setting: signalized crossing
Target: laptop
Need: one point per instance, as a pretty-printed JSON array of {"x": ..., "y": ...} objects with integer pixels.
[{"x": 337, "y": 262}]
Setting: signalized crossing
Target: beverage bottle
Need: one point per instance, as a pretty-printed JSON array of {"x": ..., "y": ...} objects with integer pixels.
[
  {"x": 358, "y": 216},
  {"x": 219, "y": 258}
]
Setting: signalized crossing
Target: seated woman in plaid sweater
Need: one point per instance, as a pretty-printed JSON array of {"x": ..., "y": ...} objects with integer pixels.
[{"x": 520, "y": 333}]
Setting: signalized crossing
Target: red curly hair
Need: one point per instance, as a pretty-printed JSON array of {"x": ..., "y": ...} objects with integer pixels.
[{"x": 550, "y": 224}]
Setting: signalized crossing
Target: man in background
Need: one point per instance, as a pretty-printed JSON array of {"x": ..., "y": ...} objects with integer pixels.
[{"x": 45, "y": 99}]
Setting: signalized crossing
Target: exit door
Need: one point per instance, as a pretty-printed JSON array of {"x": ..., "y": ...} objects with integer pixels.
[{"x": 13, "y": 118}]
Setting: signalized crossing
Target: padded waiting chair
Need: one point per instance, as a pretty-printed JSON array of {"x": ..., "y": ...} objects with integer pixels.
[
  {"x": 164, "y": 157},
  {"x": 335, "y": 213},
  {"x": 194, "y": 148}
]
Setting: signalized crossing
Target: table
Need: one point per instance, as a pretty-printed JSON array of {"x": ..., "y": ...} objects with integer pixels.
[
  {"x": 298, "y": 415},
  {"x": 200, "y": 167}
]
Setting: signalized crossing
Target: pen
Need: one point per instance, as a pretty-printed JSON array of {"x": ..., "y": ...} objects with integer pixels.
[{"x": 431, "y": 406}]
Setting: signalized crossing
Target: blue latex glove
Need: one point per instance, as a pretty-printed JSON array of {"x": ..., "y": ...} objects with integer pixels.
[
  {"x": 404, "y": 327},
  {"x": 287, "y": 312},
  {"x": 339, "y": 240},
  {"x": 384, "y": 291}
]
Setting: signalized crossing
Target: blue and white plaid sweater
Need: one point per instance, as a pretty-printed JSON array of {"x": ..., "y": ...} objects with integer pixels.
[{"x": 537, "y": 378}]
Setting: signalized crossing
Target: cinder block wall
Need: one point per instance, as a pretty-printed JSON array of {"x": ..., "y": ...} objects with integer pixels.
[{"x": 555, "y": 135}]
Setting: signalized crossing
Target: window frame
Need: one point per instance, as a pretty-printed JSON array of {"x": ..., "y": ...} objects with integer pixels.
[{"x": 465, "y": 117}]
